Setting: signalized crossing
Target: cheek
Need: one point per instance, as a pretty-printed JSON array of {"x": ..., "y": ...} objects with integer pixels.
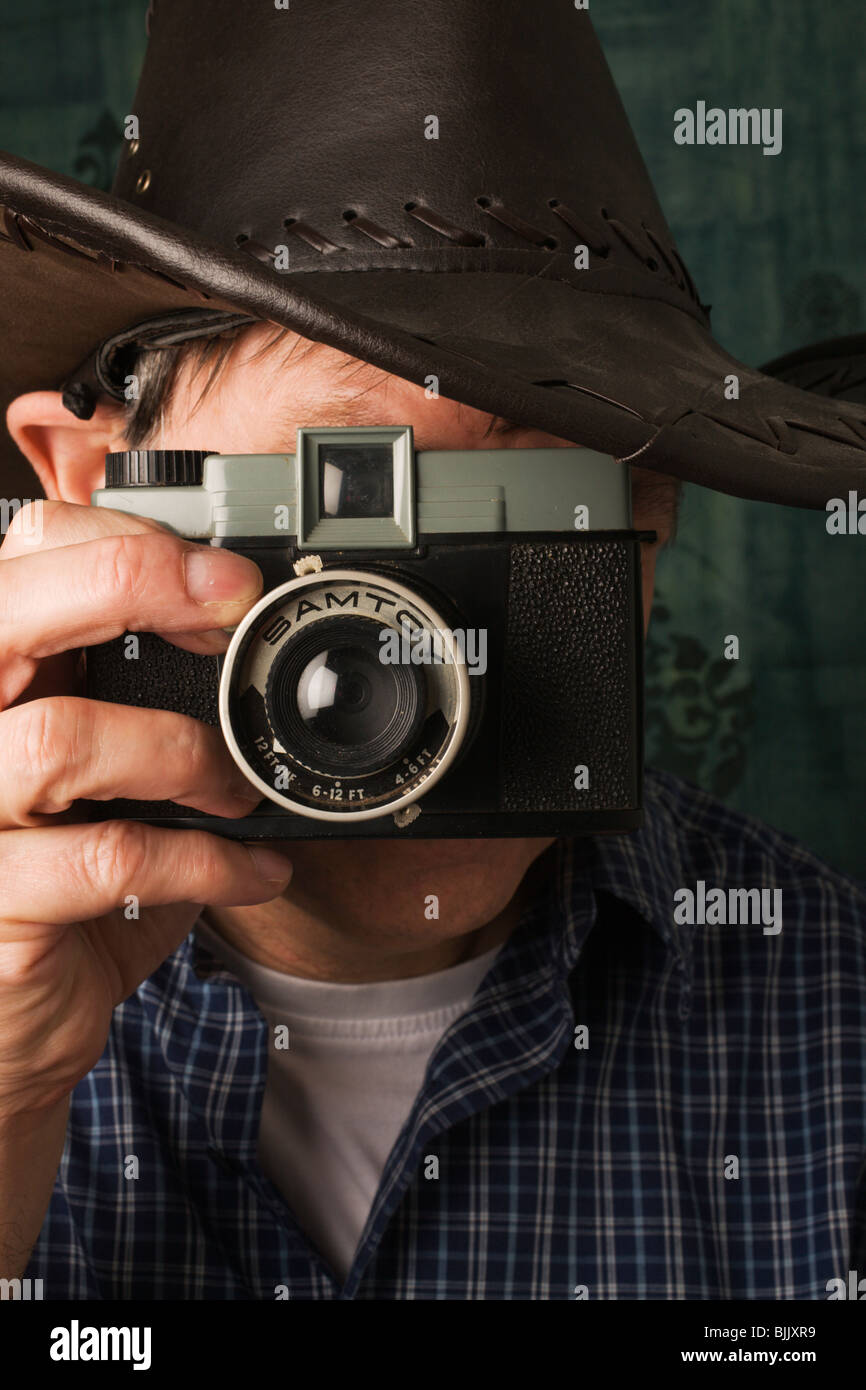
[{"x": 648, "y": 575}]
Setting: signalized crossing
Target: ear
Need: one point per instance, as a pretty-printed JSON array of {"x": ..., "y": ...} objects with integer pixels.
[{"x": 67, "y": 454}]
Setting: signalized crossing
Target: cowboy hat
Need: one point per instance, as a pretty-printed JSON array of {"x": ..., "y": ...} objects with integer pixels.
[{"x": 448, "y": 191}]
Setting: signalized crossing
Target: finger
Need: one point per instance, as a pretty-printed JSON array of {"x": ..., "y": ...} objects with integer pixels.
[
  {"x": 201, "y": 643},
  {"x": 71, "y": 873},
  {"x": 62, "y": 749},
  {"x": 49, "y": 525},
  {"x": 96, "y": 590}
]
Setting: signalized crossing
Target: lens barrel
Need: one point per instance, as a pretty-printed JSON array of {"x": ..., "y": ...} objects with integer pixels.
[{"x": 340, "y": 709}]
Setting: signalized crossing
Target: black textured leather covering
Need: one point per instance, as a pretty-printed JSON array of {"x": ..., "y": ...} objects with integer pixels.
[
  {"x": 161, "y": 677},
  {"x": 571, "y": 677}
]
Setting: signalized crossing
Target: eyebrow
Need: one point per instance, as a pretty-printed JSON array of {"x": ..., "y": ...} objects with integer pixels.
[{"x": 338, "y": 413}]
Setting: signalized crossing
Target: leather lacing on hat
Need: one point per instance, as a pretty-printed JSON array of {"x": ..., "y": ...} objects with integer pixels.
[
  {"x": 102, "y": 371},
  {"x": 651, "y": 253}
]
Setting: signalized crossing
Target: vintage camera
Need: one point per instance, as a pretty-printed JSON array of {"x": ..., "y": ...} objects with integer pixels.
[{"x": 449, "y": 643}]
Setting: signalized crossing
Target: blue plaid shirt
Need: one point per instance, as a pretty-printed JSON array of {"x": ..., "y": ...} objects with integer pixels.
[{"x": 603, "y": 1171}]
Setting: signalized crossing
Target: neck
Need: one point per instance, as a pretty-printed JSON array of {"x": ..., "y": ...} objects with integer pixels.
[{"x": 295, "y": 939}]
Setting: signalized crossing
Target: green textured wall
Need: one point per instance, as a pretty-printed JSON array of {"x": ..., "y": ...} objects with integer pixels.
[{"x": 776, "y": 246}]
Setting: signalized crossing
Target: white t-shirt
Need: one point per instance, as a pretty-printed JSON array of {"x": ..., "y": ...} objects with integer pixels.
[{"x": 336, "y": 1099}]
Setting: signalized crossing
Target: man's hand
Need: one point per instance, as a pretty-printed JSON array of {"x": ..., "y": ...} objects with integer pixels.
[{"x": 68, "y": 955}]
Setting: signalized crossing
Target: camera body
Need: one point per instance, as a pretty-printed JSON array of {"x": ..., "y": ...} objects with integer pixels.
[{"x": 449, "y": 643}]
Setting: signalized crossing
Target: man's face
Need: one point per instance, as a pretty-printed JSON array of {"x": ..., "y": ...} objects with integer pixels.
[{"x": 376, "y": 889}]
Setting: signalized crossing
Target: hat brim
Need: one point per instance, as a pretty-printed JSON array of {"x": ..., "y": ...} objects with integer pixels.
[{"x": 599, "y": 362}]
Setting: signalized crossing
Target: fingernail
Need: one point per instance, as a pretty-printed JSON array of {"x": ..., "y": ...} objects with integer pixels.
[
  {"x": 215, "y": 575},
  {"x": 270, "y": 866}
]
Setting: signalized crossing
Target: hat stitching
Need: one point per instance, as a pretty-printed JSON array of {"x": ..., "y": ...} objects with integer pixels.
[
  {"x": 374, "y": 231},
  {"x": 462, "y": 236}
]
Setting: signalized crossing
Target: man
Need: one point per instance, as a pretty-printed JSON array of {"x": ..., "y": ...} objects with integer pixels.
[{"x": 562, "y": 1085}]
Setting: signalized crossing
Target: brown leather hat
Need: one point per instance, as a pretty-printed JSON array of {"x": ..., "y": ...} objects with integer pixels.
[
  {"x": 834, "y": 367},
  {"x": 410, "y": 183}
]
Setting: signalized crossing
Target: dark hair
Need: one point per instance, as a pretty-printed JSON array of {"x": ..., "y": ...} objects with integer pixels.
[{"x": 157, "y": 370}]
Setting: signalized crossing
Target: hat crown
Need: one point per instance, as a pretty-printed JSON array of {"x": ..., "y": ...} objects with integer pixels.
[{"x": 373, "y": 132}]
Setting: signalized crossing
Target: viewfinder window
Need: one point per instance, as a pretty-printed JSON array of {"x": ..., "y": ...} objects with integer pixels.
[{"x": 356, "y": 480}]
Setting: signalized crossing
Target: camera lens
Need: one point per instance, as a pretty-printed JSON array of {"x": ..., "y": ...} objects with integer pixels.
[
  {"x": 344, "y": 696},
  {"x": 336, "y": 706}
]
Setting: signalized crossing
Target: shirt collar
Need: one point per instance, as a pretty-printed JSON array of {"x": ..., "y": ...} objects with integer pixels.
[{"x": 644, "y": 869}]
